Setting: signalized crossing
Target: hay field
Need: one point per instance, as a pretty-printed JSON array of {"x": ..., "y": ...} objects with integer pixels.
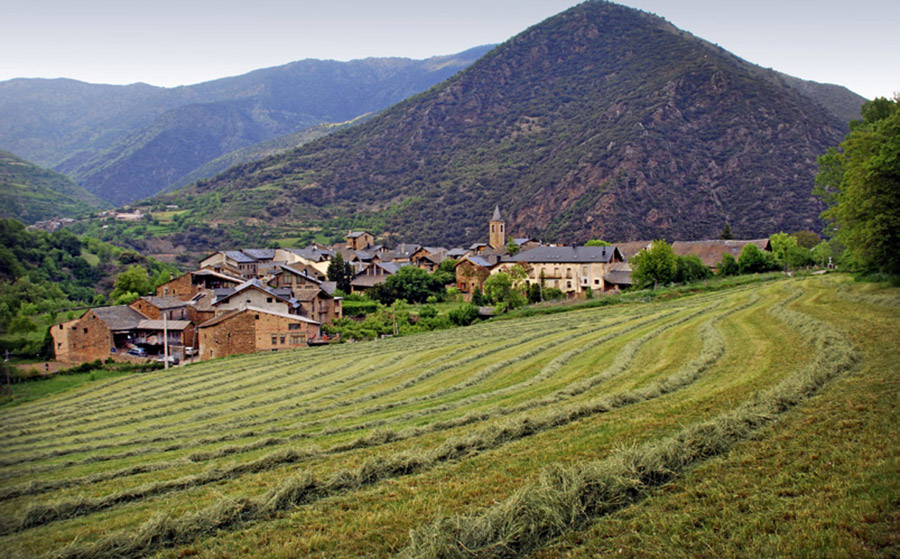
[{"x": 757, "y": 421}]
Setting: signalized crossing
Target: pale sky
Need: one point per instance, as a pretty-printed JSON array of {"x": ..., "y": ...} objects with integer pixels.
[{"x": 177, "y": 42}]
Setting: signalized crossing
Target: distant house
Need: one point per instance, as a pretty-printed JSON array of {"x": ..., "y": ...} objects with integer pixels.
[
  {"x": 246, "y": 263},
  {"x": 254, "y": 293},
  {"x": 711, "y": 252},
  {"x": 472, "y": 271},
  {"x": 569, "y": 269},
  {"x": 359, "y": 240},
  {"x": 618, "y": 277},
  {"x": 428, "y": 258},
  {"x": 187, "y": 286},
  {"x": 373, "y": 274},
  {"x": 251, "y": 330}
]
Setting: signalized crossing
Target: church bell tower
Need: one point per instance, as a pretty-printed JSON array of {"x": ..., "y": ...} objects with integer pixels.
[{"x": 497, "y": 238}]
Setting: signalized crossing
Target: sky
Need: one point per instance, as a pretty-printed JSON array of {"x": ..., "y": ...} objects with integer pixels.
[{"x": 178, "y": 42}]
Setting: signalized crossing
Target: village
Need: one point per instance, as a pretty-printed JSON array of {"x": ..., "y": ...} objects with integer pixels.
[{"x": 255, "y": 300}]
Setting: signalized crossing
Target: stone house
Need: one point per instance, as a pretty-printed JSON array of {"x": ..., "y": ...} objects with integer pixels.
[
  {"x": 251, "y": 330},
  {"x": 254, "y": 293},
  {"x": 359, "y": 240},
  {"x": 187, "y": 286},
  {"x": 100, "y": 333},
  {"x": 472, "y": 271},
  {"x": 569, "y": 269}
]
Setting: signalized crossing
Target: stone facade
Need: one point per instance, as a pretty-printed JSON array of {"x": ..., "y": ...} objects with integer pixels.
[
  {"x": 253, "y": 330},
  {"x": 84, "y": 339}
]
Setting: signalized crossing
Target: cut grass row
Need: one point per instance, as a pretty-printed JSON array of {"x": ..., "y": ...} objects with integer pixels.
[{"x": 411, "y": 428}]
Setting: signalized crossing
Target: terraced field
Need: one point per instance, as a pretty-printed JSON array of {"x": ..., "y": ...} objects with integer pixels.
[{"x": 698, "y": 426}]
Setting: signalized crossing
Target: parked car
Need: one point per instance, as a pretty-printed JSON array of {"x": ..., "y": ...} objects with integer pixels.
[
  {"x": 173, "y": 360},
  {"x": 137, "y": 351}
]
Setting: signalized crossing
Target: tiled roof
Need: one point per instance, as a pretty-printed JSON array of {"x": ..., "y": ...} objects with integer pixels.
[{"x": 710, "y": 252}]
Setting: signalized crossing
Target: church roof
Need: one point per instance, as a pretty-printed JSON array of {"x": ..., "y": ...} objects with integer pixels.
[{"x": 497, "y": 214}]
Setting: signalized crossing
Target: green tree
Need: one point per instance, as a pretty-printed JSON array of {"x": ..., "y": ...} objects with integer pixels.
[
  {"x": 410, "y": 284},
  {"x": 502, "y": 288},
  {"x": 726, "y": 235},
  {"x": 130, "y": 284},
  {"x": 860, "y": 184},
  {"x": 690, "y": 268},
  {"x": 340, "y": 272},
  {"x": 654, "y": 266},
  {"x": 511, "y": 247},
  {"x": 788, "y": 253},
  {"x": 754, "y": 260},
  {"x": 728, "y": 266},
  {"x": 597, "y": 243}
]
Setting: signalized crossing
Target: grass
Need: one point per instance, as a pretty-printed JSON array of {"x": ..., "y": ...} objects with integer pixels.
[{"x": 347, "y": 450}]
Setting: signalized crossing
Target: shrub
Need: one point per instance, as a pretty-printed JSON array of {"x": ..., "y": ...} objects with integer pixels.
[{"x": 464, "y": 315}]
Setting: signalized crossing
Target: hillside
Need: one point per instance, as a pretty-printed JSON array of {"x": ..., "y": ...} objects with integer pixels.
[
  {"x": 30, "y": 193},
  {"x": 754, "y": 421},
  {"x": 602, "y": 121},
  {"x": 124, "y": 143}
]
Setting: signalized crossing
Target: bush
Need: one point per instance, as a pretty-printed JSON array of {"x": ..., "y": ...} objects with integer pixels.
[{"x": 464, "y": 315}]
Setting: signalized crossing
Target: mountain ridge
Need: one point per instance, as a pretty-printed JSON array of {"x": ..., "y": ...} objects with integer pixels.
[
  {"x": 125, "y": 143},
  {"x": 602, "y": 121}
]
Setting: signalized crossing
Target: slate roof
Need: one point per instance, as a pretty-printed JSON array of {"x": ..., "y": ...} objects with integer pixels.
[
  {"x": 260, "y": 253},
  {"x": 313, "y": 253},
  {"x": 573, "y": 255},
  {"x": 119, "y": 317},
  {"x": 357, "y": 234},
  {"x": 166, "y": 302},
  {"x": 208, "y": 272},
  {"x": 488, "y": 261},
  {"x": 496, "y": 216},
  {"x": 158, "y": 324},
  {"x": 631, "y": 248},
  {"x": 619, "y": 274},
  {"x": 456, "y": 253},
  {"x": 239, "y": 257},
  {"x": 301, "y": 273},
  {"x": 251, "y": 284},
  {"x": 229, "y": 315}
]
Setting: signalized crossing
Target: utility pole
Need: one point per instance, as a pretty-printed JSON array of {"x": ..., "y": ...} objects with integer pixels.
[{"x": 165, "y": 341}]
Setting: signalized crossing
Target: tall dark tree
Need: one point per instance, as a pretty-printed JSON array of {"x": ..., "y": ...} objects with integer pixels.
[{"x": 340, "y": 272}]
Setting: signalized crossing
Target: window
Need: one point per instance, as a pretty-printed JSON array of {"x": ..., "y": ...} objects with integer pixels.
[
  {"x": 597, "y": 281},
  {"x": 268, "y": 300},
  {"x": 294, "y": 326},
  {"x": 85, "y": 330},
  {"x": 257, "y": 317},
  {"x": 296, "y": 340},
  {"x": 274, "y": 339},
  {"x": 569, "y": 285},
  {"x": 282, "y": 340}
]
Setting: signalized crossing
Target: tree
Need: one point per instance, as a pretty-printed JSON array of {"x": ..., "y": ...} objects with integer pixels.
[
  {"x": 597, "y": 243},
  {"x": 728, "y": 266},
  {"x": 788, "y": 253},
  {"x": 753, "y": 260},
  {"x": 340, "y": 272},
  {"x": 130, "y": 284},
  {"x": 411, "y": 284},
  {"x": 726, "y": 232},
  {"x": 690, "y": 268},
  {"x": 860, "y": 185},
  {"x": 511, "y": 247},
  {"x": 654, "y": 266},
  {"x": 503, "y": 288}
]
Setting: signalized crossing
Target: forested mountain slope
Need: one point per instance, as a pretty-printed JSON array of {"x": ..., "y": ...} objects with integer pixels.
[
  {"x": 602, "y": 121},
  {"x": 124, "y": 143}
]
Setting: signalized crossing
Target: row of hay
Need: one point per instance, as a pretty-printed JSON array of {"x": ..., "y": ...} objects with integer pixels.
[
  {"x": 165, "y": 531},
  {"x": 565, "y": 499}
]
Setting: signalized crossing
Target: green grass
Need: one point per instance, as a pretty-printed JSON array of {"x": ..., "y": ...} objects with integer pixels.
[{"x": 758, "y": 419}]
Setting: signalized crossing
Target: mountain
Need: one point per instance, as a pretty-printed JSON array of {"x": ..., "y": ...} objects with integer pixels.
[
  {"x": 30, "y": 193},
  {"x": 124, "y": 143},
  {"x": 602, "y": 121}
]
